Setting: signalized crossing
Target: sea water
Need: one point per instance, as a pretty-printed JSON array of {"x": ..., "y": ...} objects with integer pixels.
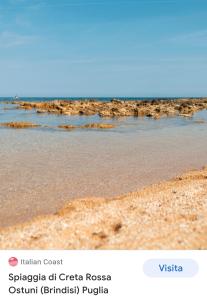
[{"x": 43, "y": 168}]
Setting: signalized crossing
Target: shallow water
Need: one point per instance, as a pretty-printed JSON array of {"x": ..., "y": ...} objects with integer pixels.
[{"x": 42, "y": 168}]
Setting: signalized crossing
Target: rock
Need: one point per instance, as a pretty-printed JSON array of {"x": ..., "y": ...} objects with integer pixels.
[
  {"x": 98, "y": 125},
  {"x": 87, "y": 112},
  {"x": 117, "y": 101},
  {"x": 68, "y": 127},
  {"x": 27, "y": 107},
  {"x": 105, "y": 113},
  {"x": 118, "y": 108},
  {"x": 200, "y": 122},
  {"x": 19, "y": 125},
  {"x": 56, "y": 102},
  {"x": 41, "y": 111},
  {"x": 149, "y": 115},
  {"x": 186, "y": 115},
  {"x": 67, "y": 113},
  {"x": 156, "y": 116},
  {"x": 136, "y": 112}
]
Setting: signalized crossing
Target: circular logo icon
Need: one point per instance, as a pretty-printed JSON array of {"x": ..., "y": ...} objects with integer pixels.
[{"x": 13, "y": 261}]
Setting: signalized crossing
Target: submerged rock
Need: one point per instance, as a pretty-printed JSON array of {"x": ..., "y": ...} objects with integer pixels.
[
  {"x": 19, "y": 125},
  {"x": 68, "y": 127},
  {"x": 200, "y": 121},
  {"x": 99, "y": 125}
]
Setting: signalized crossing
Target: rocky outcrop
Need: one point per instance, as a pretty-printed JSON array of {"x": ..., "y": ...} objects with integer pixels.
[{"x": 117, "y": 108}]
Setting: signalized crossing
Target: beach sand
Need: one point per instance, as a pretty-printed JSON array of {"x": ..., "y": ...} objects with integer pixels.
[{"x": 167, "y": 215}]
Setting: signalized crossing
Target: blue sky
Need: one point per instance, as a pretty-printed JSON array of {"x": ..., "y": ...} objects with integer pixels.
[{"x": 103, "y": 47}]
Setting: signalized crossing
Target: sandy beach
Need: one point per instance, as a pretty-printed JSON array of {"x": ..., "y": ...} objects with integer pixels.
[{"x": 168, "y": 215}]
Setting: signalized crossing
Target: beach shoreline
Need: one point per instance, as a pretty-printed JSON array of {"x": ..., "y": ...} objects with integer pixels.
[
  {"x": 73, "y": 153},
  {"x": 168, "y": 215},
  {"x": 78, "y": 156}
]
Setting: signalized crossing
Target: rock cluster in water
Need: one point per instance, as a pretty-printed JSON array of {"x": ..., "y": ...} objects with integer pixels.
[
  {"x": 89, "y": 126},
  {"x": 118, "y": 108},
  {"x": 19, "y": 125},
  {"x": 22, "y": 125}
]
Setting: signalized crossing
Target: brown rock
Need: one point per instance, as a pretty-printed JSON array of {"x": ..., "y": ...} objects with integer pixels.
[
  {"x": 98, "y": 125},
  {"x": 118, "y": 108},
  {"x": 68, "y": 127},
  {"x": 105, "y": 113},
  {"x": 41, "y": 111},
  {"x": 19, "y": 125}
]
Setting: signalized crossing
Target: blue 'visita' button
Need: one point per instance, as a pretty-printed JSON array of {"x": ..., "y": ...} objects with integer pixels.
[{"x": 171, "y": 268}]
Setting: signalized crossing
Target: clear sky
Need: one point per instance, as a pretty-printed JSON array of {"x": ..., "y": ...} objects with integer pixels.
[{"x": 103, "y": 47}]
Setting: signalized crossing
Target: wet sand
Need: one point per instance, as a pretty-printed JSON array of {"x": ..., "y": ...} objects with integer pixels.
[
  {"x": 41, "y": 170},
  {"x": 170, "y": 215}
]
